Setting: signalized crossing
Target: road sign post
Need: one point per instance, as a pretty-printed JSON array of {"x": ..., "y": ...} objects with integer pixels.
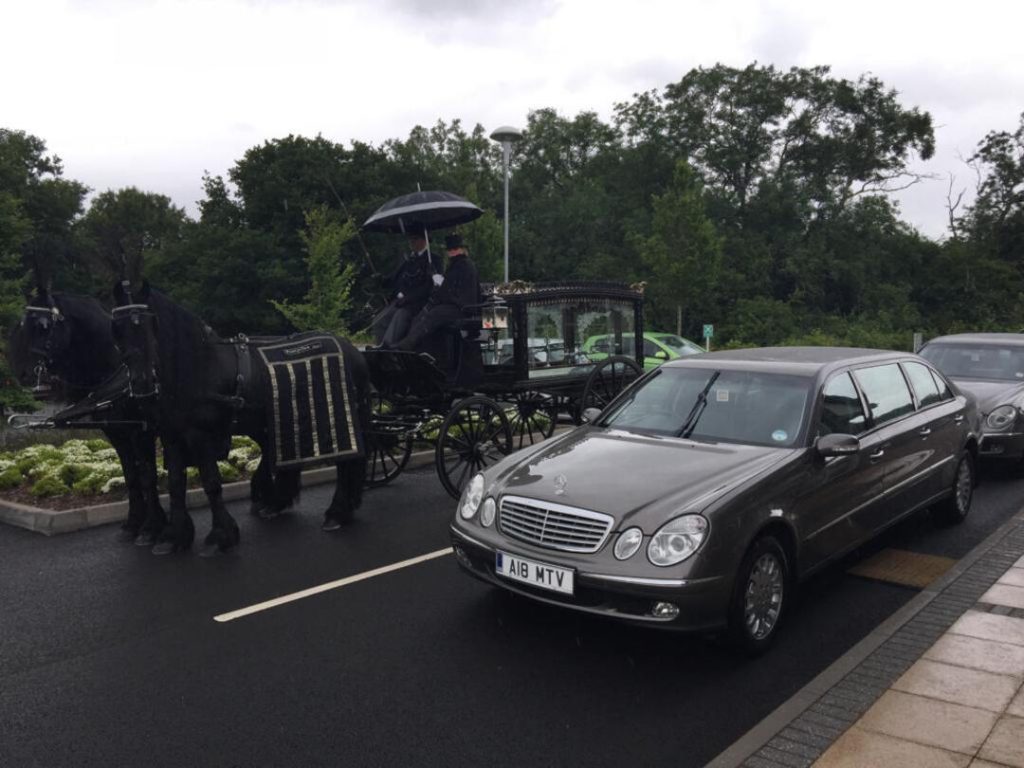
[{"x": 709, "y": 331}]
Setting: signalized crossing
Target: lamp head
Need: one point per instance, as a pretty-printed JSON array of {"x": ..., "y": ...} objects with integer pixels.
[{"x": 507, "y": 134}]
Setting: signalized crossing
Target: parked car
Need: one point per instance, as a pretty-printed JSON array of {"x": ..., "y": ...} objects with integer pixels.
[
  {"x": 989, "y": 366},
  {"x": 658, "y": 347},
  {"x": 702, "y": 494}
]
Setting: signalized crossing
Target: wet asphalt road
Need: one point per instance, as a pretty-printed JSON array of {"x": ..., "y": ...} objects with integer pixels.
[{"x": 110, "y": 656}]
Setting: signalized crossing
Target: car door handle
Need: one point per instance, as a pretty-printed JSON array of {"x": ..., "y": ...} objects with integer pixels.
[
  {"x": 958, "y": 418},
  {"x": 876, "y": 455},
  {"x": 924, "y": 431}
]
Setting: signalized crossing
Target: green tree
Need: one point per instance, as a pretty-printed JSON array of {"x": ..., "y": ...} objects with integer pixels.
[
  {"x": 682, "y": 256},
  {"x": 125, "y": 228},
  {"x": 328, "y": 300}
]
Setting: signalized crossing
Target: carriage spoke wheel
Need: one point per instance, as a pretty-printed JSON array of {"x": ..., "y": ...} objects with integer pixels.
[
  {"x": 605, "y": 382},
  {"x": 533, "y": 419},
  {"x": 387, "y": 452},
  {"x": 388, "y": 445},
  {"x": 474, "y": 435}
]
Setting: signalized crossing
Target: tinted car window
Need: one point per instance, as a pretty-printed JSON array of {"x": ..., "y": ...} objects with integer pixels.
[
  {"x": 887, "y": 392},
  {"x": 924, "y": 385},
  {"x": 1000, "y": 362},
  {"x": 842, "y": 412},
  {"x": 944, "y": 391},
  {"x": 742, "y": 406},
  {"x": 650, "y": 348}
]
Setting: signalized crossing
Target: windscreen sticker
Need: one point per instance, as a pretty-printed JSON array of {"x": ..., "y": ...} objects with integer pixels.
[
  {"x": 722, "y": 395},
  {"x": 780, "y": 435}
]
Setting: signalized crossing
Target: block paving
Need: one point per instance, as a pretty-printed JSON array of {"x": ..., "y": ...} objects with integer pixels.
[{"x": 945, "y": 689}]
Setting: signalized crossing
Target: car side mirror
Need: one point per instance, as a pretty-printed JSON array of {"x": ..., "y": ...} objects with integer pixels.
[
  {"x": 590, "y": 414},
  {"x": 837, "y": 445},
  {"x": 661, "y": 354}
]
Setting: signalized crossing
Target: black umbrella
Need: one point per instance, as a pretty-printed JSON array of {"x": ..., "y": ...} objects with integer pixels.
[{"x": 422, "y": 211}]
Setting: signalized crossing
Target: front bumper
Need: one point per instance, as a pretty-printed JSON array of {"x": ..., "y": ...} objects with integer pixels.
[
  {"x": 996, "y": 445},
  {"x": 702, "y": 602}
]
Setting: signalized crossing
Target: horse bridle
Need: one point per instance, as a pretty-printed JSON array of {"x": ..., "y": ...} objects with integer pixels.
[
  {"x": 134, "y": 314},
  {"x": 47, "y": 317}
]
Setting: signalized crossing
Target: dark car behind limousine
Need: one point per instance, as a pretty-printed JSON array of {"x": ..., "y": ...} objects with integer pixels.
[{"x": 989, "y": 366}]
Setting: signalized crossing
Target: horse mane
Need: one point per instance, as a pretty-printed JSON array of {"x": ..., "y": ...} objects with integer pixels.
[
  {"x": 92, "y": 356},
  {"x": 183, "y": 348}
]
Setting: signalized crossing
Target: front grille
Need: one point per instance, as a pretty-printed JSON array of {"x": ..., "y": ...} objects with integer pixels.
[{"x": 553, "y": 526}]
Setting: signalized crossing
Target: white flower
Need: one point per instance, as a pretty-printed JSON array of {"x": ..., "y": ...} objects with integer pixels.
[{"x": 113, "y": 484}]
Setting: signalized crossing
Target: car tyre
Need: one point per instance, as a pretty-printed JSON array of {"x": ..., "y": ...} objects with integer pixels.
[
  {"x": 760, "y": 597},
  {"x": 954, "y": 509}
]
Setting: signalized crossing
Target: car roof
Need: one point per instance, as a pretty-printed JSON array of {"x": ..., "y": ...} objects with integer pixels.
[
  {"x": 980, "y": 338},
  {"x": 797, "y": 361}
]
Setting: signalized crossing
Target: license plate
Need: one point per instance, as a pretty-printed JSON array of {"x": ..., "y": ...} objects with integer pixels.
[{"x": 533, "y": 573}]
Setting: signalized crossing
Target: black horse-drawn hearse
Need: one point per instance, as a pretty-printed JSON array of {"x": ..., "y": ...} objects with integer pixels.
[{"x": 502, "y": 378}]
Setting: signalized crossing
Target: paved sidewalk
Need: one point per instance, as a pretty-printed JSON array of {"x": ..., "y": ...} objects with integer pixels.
[{"x": 940, "y": 684}]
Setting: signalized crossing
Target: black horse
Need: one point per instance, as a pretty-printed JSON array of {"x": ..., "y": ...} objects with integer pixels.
[
  {"x": 204, "y": 389},
  {"x": 63, "y": 346}
]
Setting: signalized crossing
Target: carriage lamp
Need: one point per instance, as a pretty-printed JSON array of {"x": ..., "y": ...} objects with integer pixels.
[
  {"x": 494, "y": 316},
  {"x": 629, "y": 542},
  {"x": 487, "y": 512},
  {"x": 472, "y": 497}
]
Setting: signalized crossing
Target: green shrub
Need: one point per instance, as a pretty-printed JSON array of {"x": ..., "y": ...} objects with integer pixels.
[
  {"x": 97, "y": 445},
  {"x": 49, "y": 485},
  {"x": 228, "y": 472},
  {"x": 10, "y": 478},
  {"x": 70, "y": 474},
  {"x": 90, "y": 484}
]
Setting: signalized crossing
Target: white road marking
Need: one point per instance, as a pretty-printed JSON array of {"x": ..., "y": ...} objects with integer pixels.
[{"x": 232, "y": 615}]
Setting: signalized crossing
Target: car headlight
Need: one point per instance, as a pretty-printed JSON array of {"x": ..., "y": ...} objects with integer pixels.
[
  {"x": 487, "y": 512},
  {"x": 629, "y": 542},
  {"x": 1001, "y": 417},
  {"x": 677, "y": 540},
  {"x": 472, "y": 497}
]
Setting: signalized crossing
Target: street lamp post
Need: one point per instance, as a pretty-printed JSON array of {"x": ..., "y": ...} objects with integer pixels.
[{"x": 506, "y": 135}]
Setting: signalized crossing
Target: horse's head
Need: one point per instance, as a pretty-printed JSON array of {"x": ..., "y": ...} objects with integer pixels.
[
  {"x": 134, "y": 325},
  {"x": 40, "y": 342}
]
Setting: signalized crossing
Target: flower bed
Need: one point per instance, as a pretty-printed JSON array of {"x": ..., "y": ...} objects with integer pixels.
[{"x": 85, "y": 472}]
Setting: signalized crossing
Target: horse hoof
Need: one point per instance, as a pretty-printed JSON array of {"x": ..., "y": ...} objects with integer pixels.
[
  {"x": 145, "y": 540},
  {"x": 209, "y": 550},
  {"x": 125, "y": 535},
  {"x": 268, "y": 513},
  {"x": 163, "y": 548}
]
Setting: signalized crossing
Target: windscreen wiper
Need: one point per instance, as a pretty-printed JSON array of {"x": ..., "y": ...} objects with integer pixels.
[{"x": 698, "y": 408}]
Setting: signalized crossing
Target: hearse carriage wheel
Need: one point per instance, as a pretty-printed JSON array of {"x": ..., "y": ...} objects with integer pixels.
[
  {"x": 610, "y": 377},
  {"x": 533, "y": 418},
  {"x": 388, "y": 449},
  {"x": 474, "y": 435}
]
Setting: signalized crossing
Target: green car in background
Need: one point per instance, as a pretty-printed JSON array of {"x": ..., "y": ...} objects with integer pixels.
[{"x": 658, "y": 347}]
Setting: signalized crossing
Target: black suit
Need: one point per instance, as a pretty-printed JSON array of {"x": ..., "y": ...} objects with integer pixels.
[
  {"x": 461, "y": 288},
  {"x": 411, "y": 285}
]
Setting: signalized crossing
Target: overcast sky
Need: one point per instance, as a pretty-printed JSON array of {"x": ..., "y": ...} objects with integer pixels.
[{"x": 152, "y": 93}]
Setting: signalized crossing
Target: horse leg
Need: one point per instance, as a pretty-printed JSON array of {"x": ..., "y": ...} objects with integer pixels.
[
  {"x": 224, "y": 533},
  {"x": 125, "y": 446},
  {"x": 156, "y": 519},
  {"x": 287, "y": 489},
  {"x": 179, "y": 531},
  {"x": 261, "y": 491},
  {"x": 348, "y": 494}
]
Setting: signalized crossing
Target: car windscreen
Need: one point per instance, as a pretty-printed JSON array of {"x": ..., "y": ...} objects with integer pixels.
[
  {"x": 740, "y": 407},
  {"x": 997, "y": 362}
]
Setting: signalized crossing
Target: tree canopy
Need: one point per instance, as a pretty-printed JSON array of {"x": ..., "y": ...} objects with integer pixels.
[{"x": 756, "y": 198}]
